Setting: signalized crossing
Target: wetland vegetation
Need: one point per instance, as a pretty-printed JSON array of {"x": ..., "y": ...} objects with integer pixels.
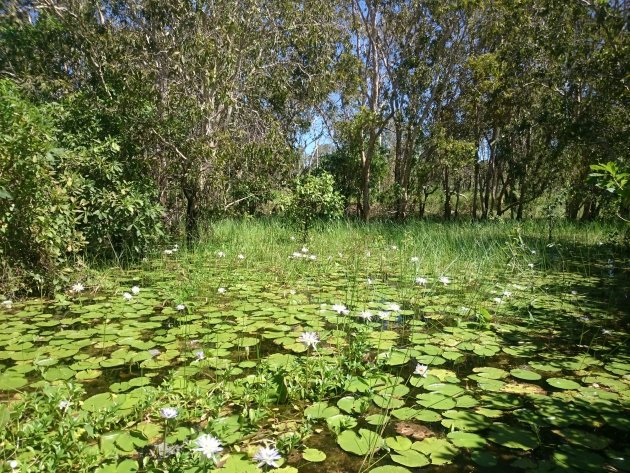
[
  {"x": 343, "y": 236},
  {"x": 385, "y": 348}
]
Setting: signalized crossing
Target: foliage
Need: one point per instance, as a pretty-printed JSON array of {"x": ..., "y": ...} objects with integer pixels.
[
  {"x": 63, "y": 195},
  {"x": 614, "y": 179},
  {"x": 38, "y": 226},
  {"x": 314, "y": 197}
]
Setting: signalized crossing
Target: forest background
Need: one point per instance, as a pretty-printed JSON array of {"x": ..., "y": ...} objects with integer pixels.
[{"x": 125, "y": 124}]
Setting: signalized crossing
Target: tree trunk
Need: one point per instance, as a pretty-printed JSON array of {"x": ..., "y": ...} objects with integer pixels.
[
  {"x": 475, "y": 189},
  {"x": 447, "y": 195},
  {"x": 192, "y": 220}
]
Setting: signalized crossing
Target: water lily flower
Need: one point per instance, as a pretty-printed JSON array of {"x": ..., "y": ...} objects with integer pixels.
[
  {"x": 127, "y": 296},
  {"x": 383, "y": 315},
  {"x": 339, "y": 308},
  {"x": 507, "y": 294},
  {"x": 208, "y": 446},
  {"x": 200, "y": 355},
  {"x": 292, "y": 238},
  {"x": 498, "y": 300},
  {"x": 78, "y": 287},
  {"x": 422, "y": 281},
  {"x": 606, "y": 332},
  {"x": 63, "y": 405},
  {"x": 221, "y": 290},
  {"x": 267, "y": 456},
  {"x": 366, "y": 315},
  {"x": 168, "y": 412},
  {"x": 394, "y": 247},
  {"x": 292, "y": 292},
  {"x": 180, "y": 307},
  {"x": 310, "y": 339},
  {"x": 531, "y": 265},
  {"x": 154, "y": 352},
  {"x": 135, "y": 290},
  {"x": 304, "y": 249},
  {"x": 369, "y": 281},
  {"x": 312, "y": 257},
  {"x": 444, "y": 280},
  {"x": 14, "y": 464},
  {"x": 220, "y": 254},
  {"x": 7, "y": 303},
  {"x": 393, "y": 307},
  {"x": 421, "y": 370},
  {"x": 414, "y": 259},
  {"x": 368, "y": 253},
  {"x": 240, "y": 256},
  {"x": 168, "y": 252}
]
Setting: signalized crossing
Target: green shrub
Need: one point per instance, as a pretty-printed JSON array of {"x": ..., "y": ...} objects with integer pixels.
[
  {"x": 314, "y": 197},
  {"x": 57, "y": 201}
]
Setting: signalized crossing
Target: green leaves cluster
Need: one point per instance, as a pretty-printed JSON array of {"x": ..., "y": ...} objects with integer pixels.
[
  {"x": 314, "y": 197},
  {"x": 57, "y": 202}
]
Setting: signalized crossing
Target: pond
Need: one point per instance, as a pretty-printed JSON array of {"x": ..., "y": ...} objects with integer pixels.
[{"x": 369, "y": 360}]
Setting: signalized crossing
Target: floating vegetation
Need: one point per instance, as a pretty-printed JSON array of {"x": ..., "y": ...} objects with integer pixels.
[{"x": 198, "y": 362}]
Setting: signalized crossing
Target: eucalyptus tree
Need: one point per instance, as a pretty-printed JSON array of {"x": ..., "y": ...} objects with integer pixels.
[
  {"x": 204, "y": 91},
  {"x": 426, "y": 51}
]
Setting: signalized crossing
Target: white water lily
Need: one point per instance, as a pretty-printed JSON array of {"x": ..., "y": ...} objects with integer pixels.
[
  {"x": 200, "y": 355},
  {"x": 312, "y": 257},
  {"x": 366, "y": 315},
  {"x": 393, "y": 307},
  {"x": 208, "y": 446},
  {"x": 135, "y": 290},
  {"x": 127, "y": 296},
  {"x": 531, "y": 265},
  {"x": 383, "y": 315},
  {"x": 7, "y": 303},
  {"x": 154, "y": 352},
  {"x": 168, "y": 412},
  {"x": 14, "y": 464},
  {"x": 339, "y": 308},
  {"x": 168, "y": 252},
  {"x": 414, "y": 259},
  {"x": 507, "y": 294},
  {"x": 421, "y": 370},
  {"x": 267, "y": 456},
  {"x": 180, "y": 307},
  {"x": 369, "y": 281},
  {"x": 422, "y": 281},
  {"x": 240, "y": 256},
  {"x": 304, "y": 249},
  {"x": 310, "y": 339},
  {"x": 78, "y": 287},
  {"x": 444, "y": 280},
  {"x": 221, "y": 290},
  {"x": 220, "y": 254},
  {"x": 64, "y": 405}
]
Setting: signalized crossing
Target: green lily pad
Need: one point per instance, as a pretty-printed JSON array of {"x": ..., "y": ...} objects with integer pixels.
[
  {"x": 8, "y": 382},
  {"x": 467, "y": 439},
  {"x": 390, "y": 469},
  {"x": 321, "y": 410},
  {"x": 313, "y": 455},
  {"x": 361, "y": 443},
  {"x": 513, "y": 437},
  {"x": 563, "y": 383},
  {"x": 411, "y": 458},
  {"x": 527, "y": 375}
]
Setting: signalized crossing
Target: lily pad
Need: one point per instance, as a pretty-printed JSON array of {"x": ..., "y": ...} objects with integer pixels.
[
  {"x": 313, "y": 455},
  {"x": 513, "y": 437},
  {"x": 563, "y": 383},
  {"x": 361, "y": 443}
]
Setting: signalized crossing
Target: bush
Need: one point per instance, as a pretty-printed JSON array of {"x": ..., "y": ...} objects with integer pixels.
[
  {"x": 314, "y": 197},
  {"x": 57, "y": 202}
]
